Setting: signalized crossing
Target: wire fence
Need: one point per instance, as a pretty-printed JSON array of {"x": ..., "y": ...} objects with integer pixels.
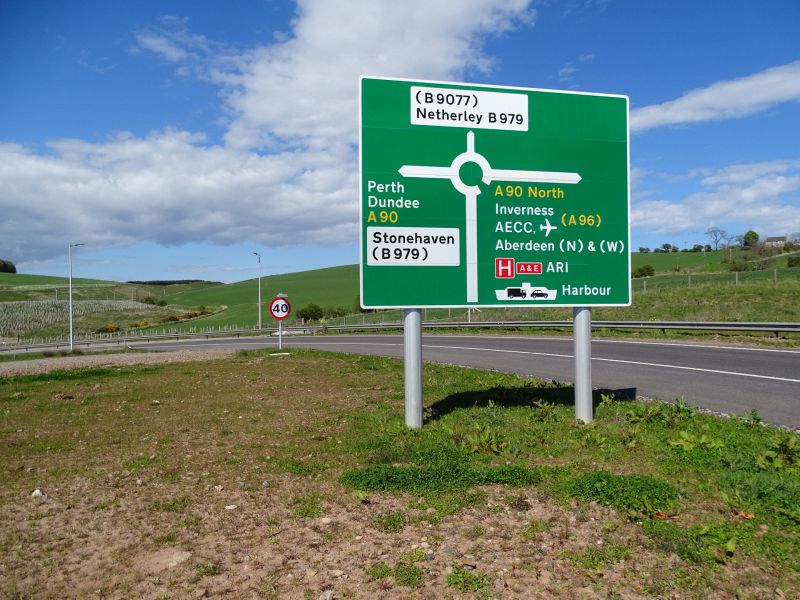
[
  {"x": 680, "y": 280},
  {"x": 456, "y": 315}
]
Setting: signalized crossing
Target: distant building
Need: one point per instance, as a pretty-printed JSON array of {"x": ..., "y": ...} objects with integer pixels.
[{"x": 776, "y": 242}]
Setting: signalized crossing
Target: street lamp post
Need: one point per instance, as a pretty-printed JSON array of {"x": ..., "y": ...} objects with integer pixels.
[
  {"x": 259, "y": 289},
  {"x": 69, "y": 255}
]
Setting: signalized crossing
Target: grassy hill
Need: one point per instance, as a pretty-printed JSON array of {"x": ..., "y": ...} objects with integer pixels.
[
  {"x": 21, "y": 287},
  {"x": 331, "y": 287},
  {"x": 664, "y": 262},
  {"x": 716, "y": 261},
  {"x": 688, "y": 286}
]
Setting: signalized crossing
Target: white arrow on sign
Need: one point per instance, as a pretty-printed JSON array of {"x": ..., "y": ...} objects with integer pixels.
[{"x": 471, "y": 193}]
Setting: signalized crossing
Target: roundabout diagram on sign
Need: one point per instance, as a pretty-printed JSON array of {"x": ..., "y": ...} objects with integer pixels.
[{"x": 471, "y": 193}]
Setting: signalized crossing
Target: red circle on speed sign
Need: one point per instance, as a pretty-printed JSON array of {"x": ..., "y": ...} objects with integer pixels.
[{"x": 280, "y": 308}]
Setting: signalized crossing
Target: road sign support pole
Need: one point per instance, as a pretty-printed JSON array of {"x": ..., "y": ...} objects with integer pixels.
[
  {"x": 280, "y": 335},
  {"x": 582, "y": 332},
  {"x": 412, "y": 342}
]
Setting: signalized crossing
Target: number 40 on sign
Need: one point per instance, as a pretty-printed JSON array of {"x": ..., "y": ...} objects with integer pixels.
[{"x": 280, "y": 308}]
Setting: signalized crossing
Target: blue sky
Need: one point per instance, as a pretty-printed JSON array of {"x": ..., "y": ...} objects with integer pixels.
[{"x": 175, "y": 138}]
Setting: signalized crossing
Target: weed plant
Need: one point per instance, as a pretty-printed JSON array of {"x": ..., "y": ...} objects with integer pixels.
[
  {"x": 698, "y": 490},
  {"x": 468, "y": 580},
  {"x": 664, "y": 465}
]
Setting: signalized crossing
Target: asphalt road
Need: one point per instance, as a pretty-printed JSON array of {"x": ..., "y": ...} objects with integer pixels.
[{"x": 720, "y": 378}]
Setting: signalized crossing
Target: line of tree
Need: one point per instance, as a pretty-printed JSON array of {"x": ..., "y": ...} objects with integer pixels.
[
  {"x": 6, "y": 266},
  {"x": 169, "y": 281},
  {"x": 315, "y": 312},
  {"x": 667, "y": 247},
  {"x": 720, "y": 237}
]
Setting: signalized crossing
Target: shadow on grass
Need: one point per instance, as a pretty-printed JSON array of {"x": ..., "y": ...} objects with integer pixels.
[{"x": 520, "y": 396}]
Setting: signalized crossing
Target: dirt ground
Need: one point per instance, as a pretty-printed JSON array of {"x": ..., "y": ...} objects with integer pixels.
[
  {"x": 82, "y": 361},
  {"x": 206, "y": 526}
]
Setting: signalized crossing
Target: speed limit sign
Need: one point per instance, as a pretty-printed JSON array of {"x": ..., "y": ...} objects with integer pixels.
[{"x": 280, "y": 308}]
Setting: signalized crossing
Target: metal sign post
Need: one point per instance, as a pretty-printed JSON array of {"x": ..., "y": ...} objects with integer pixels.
[
  {"x": 478, "y": 195},
  {"x": 412, "y": 339},
  {"x": 280, "y": 309},
  {"x": 582, "y": 345}
]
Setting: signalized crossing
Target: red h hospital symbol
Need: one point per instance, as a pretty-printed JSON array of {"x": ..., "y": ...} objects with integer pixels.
[{"x": 504, "y": 268}]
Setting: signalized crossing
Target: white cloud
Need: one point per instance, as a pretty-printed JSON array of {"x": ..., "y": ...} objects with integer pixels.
[
  {"x": 724, "y": 99},
  {"x": 760, "y": 196},
  {"x": 169, "y": 189},
  {"x": 567, "y": 73},
  {"x": 737, "y": 174},
  {"x": 304, "y": 91},
  {"x": 287, "y": 173}
]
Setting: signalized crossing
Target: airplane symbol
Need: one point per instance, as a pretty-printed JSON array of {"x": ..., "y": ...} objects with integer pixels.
[
  {"x": 547, "y": 228},
  {"x": 471, "y": 193}
]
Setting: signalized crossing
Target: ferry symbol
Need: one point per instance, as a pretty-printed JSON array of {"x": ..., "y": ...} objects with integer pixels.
[{"x": 525, "y": 292}]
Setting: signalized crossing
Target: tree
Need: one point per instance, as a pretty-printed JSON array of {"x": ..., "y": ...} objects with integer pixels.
[
  {"x": 644, "y": 249},
  {"x": 644, "y": 271},
  {"x": 717, "y": 235},
  {"x": 750, "y": 239},
  {"x": 666, "y": 247},
  {"x": 311, "y": 312},
  {"x": 6, "y": 266},
  {"x": 734, "y": 240},
  {"x": 358, "y": 306}
]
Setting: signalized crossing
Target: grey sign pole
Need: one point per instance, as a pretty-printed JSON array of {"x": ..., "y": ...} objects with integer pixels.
[
  {"x": 412, "y": 341},
  {"x": 582, "y": 332}
]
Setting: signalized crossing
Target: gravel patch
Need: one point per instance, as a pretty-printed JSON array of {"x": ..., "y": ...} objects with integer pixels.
[{"x": 45, "y": 365}]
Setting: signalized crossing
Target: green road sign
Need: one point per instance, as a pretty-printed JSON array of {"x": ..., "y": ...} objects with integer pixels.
[{"x": 487, "y": 196}]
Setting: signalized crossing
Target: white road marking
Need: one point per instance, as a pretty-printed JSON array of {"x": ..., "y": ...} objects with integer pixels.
[
  {"x": 553, "y": 355},
  {"x": 635, "y": 342},
  {"x": 628, "y": 362}
]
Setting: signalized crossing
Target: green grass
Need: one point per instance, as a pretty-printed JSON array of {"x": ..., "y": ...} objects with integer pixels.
[
  {"x": 334, "y": 286},
  {"x": 468, "y": 581},
  {"x": 20, "y": 279},
  {"x": 19, "y": 286},
  {"x": 594, "y": 559},
  {"x": 665, "y": 262},
  {"x": 308, "y": 506},
  {"x": 751, "y": 301},
  {"x": 174, "y": 505},
  {"x": 716, "y": 261},
  {"x": 208, "y": 570},
  {"x": 688, "y": 287},
  {"x": 623, "y": 492},
  {"x": 447, "y": 476},
  {"x": 683, "y": 491}
]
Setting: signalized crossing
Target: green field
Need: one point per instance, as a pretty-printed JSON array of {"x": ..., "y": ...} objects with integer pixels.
[
  {"x": 688, "y": 286},
  {"x": 716, "y": 261},
  {"x": 21, "y": 287},
  {"x": 332, "y": 287},
  {"x": 264, "y": 474},
  {"x": 664, "y": 262}
]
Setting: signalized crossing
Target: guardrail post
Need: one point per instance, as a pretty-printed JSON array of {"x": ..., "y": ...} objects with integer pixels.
[
  {"x": 412, "y": 342},
  {"x": 582, "y": 332}
]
